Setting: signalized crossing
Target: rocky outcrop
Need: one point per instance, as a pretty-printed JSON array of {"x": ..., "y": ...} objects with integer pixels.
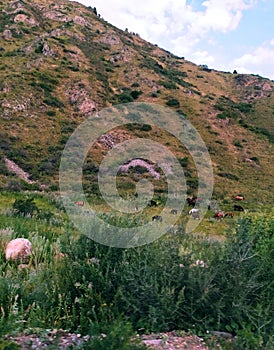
[
  {"x": 18, "y": 249},
  {"x": 14, "y": 168},
  {"x": 79, "y": 96},
  {"x": 140, "y": 163}
]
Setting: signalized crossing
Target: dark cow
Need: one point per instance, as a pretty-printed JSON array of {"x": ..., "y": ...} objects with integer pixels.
[
  {"x": 191, "y": 201},
  {"x": 238, "y": 208},
  {"x": 174, "y": 211},
  {"x": 157, "y": 218},
  {"x": 152, "y": 203}
]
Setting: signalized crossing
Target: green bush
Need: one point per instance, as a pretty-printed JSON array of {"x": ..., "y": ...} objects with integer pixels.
[
  {"x": 135, "y": 94},
  {"x": 168, "y": 85},
  {"x": 173, "y": 102},
  {"x": 229, "y": 176},
  {"x": 25, "y": 207},
  {"x": 125, "y": 98},
  {"x": 238, "y": 144},
  {"x": 117, "y": 335}
]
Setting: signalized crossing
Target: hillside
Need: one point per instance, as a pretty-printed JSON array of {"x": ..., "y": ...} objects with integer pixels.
[{"x": 61, "y": 62}]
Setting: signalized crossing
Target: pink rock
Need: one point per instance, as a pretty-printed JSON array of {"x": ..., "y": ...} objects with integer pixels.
[{"x": 18, "y": 249}]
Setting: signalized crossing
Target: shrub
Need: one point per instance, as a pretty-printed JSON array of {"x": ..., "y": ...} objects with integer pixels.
[
  {"x": 184, "y": 162},
  {"x": 51, "y": 113},
  {"x": 221, "y": 116},
  {"x": 25, "y": 207},
  {"x": 173, "y": 102},
  {"x": 125, "y": 98},
  {"x": 135, "y": 94},
  {"x": 118, "y": 335},
  {"x": 53, "y": 101},
  {"x": 168, "y": 85},
  {"x": 255, "y": 159},
  {"x": 229, "y": 176},
  {"x": 238, "y": 144},
  {"x": 14, "y": 185}
]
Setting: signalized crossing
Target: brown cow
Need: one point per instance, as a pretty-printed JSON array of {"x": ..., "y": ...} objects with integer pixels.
[
  {"x": 79, "y": 203},
  {"x": 229, "y": 215},
  {"x": 239, "y": 198},
  {"x": 219, "y": 215}
]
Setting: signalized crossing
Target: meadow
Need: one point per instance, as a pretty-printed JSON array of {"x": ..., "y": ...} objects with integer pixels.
[{"x": 185, "y": 282}]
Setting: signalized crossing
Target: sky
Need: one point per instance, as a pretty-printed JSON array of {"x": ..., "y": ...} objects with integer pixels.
[{"x": 222, "y": 34}]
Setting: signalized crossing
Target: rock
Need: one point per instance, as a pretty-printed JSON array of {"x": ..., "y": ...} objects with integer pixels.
[
  {"x": 25, "y": 19},
  {"x": 18, "y": 249},
  {"x": 152, "y": 342},
  {"x": 7, "y": 34}
]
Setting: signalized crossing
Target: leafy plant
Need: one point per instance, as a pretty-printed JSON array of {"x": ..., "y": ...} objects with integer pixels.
[{"x": 25, "y": 207}]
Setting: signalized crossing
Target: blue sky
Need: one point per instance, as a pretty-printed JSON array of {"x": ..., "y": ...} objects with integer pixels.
[{"x": 223, "y": 34}]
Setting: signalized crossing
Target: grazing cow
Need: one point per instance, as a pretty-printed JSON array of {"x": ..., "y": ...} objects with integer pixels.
[
  {"x": 196, "y": 215},
  {"x": 219, "y": 215},
  {"x": 18, "y": 249},
  {"x": 152, "y": 203},
  {"x": 174, "y": 211},
  {"x": 239, "y": 198},
  {"x": 191, "y": 201},
  {"x": 229, "y": 215},
  {"x": 194, "y": 210},
  {"x": 157, "y": 218},
  {"x": 79, "y": 203},
  {"x": 238, "y": 208},
  {"x": 194, "y": 201}
]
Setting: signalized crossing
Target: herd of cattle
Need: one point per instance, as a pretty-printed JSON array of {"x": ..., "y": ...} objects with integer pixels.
[
  {"x": 194, "y": 212},
  {"x": 219, "y": 214}
]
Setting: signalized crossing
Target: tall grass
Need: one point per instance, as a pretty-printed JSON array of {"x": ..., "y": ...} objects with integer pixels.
[{"x": 180, "y": 281}]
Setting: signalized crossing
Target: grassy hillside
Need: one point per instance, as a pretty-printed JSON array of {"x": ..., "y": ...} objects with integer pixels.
[{"x": 61, "y": 63}]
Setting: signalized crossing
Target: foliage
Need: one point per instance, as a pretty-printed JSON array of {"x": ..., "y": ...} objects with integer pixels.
[
  {"x": 125, "y": 98},
  {"x": 177, "y": 282},
  {"x": 173, "y": 102},
  {"x": 25, "y": 207},
  {"x": 117, "y": 335},
  {"x": 229, "y": 176}
]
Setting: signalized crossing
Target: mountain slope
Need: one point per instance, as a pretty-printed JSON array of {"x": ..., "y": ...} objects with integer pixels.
[{"x": 61, "y": 62}]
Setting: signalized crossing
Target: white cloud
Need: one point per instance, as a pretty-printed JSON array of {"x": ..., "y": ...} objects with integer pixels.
[
  {"x": 202, "y": 56},
  {"x": 164, "y": 20},
  {"x": 259, "y": 61},
  {"x": 188, "y": 30}
]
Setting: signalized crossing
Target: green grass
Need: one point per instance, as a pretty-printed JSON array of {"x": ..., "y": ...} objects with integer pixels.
[{"x": 94, "y": 289}]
